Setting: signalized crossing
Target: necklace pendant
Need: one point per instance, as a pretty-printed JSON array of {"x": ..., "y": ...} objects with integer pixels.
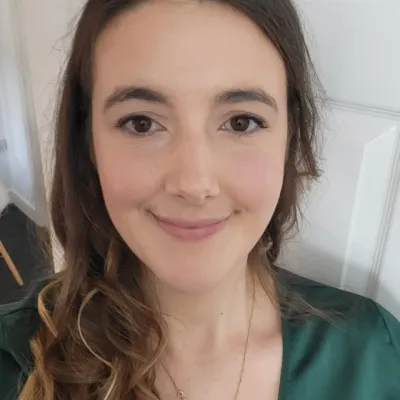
[{"x": 181, "y": 395}]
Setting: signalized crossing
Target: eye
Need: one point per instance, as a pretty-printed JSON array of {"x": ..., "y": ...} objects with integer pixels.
[
  {"x": 139, "y": 125},
  {"x": 244, "y": 124}
]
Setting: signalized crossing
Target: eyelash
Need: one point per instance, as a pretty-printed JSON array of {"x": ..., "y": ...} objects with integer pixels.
[{"x": 261, "y": 124}]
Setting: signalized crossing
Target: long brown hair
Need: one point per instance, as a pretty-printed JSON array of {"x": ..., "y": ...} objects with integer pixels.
[{"x": 94, "y": 340}]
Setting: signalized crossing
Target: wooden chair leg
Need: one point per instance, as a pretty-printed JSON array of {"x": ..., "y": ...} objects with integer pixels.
[{"x": 10, "y": 264}]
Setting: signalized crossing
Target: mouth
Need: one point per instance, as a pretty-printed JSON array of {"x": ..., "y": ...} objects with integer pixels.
[{"x": 193, "y": 230}]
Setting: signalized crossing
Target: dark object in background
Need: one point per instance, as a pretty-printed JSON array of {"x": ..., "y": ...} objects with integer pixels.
[{"x": 20, "y": 237}]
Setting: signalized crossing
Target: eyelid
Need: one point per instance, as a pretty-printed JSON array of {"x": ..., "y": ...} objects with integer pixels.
[
  {"x": 249, "y": 114},
  {"x": 126, "y": 118}
]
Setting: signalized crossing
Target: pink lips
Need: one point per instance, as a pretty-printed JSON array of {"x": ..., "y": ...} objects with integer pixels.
[{"x": 190, "y": 230}]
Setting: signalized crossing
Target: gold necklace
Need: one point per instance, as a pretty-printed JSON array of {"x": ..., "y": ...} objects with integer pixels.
[{"x": 181, "y": 394}]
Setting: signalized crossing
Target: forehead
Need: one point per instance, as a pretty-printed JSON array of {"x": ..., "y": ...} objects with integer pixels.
[{"x": 187, "y": 47}]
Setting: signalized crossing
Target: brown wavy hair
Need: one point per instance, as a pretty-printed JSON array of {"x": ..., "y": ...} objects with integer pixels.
[{"x": 94, "y": 342}]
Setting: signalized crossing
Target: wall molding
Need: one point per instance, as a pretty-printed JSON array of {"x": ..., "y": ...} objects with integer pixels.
[
  {"x": 369, "y": 109},
  {"x": 391, "y": 201}
]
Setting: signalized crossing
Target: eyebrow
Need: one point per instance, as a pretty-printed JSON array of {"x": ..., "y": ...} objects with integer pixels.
[
  {"x": 232, "y": 96},
  {"x": 247, "y": 94}
]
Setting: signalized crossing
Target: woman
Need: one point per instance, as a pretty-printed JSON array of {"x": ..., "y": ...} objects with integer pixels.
[{"x": 185, "y": 135}]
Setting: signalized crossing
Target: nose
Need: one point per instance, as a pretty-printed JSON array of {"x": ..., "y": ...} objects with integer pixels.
[{"x": 192, "y": 175}]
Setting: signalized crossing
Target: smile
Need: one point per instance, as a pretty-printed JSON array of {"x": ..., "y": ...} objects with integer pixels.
[{"x": 190, "y": 230}]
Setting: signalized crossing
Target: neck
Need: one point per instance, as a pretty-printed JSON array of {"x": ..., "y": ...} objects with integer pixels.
[{"x": 208, "y": 322}]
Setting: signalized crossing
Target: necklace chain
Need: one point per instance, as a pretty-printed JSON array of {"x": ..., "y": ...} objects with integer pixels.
[{"x": 180, "y": 394}]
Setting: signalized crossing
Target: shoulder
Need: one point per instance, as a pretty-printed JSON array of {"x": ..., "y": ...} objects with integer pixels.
[
  {"x": 19, "y": 321},
  {"x": 353, "y": 337},
  {"x": 344, "y": 311}
]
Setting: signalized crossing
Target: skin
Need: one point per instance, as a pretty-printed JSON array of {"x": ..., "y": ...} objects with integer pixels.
[{"x": 201, "y": 160}]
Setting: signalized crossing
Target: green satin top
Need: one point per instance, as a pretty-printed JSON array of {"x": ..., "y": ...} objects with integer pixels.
[{"x": 353, "y": 354}]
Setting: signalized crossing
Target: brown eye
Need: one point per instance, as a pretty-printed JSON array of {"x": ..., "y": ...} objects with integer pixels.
[
  {"x": 139, "y": 124},
  {"x": 240, "y": 124}
]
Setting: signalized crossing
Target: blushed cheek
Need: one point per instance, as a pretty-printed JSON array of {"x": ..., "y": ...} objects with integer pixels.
[
  {"x": 119, "y": 186},
  {"x": 124, "y": 181},
  {"x": 258, "y": 182}
]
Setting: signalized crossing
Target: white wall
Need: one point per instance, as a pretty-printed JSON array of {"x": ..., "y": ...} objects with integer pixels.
[
  {"x": 46, "y": 27},
  {"x": 4, "y": 167},
  {"x": 4, "y": 174},
  {"x": 24, "y": 175},
  {"x": 33, "y": 44}
]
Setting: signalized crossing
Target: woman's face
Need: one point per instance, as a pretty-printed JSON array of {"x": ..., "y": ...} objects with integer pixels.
[{"x": 189, "y": 132}]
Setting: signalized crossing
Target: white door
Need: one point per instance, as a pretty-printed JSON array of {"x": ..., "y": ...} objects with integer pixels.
[{"x": 351, "y": 235}]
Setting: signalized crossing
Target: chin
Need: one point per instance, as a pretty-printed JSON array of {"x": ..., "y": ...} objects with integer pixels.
[{"x": 192, "y": 277}]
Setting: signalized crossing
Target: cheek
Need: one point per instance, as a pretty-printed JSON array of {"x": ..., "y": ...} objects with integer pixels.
[
  {"x": 123, "y": 178},
  {"x": 258, "y": 182}
]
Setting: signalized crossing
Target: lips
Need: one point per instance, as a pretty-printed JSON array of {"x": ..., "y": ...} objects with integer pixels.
[{"x": 191, "y": 230}]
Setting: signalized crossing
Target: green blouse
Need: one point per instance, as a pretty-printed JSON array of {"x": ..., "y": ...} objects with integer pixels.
[{"x": 354, "y": 354}]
